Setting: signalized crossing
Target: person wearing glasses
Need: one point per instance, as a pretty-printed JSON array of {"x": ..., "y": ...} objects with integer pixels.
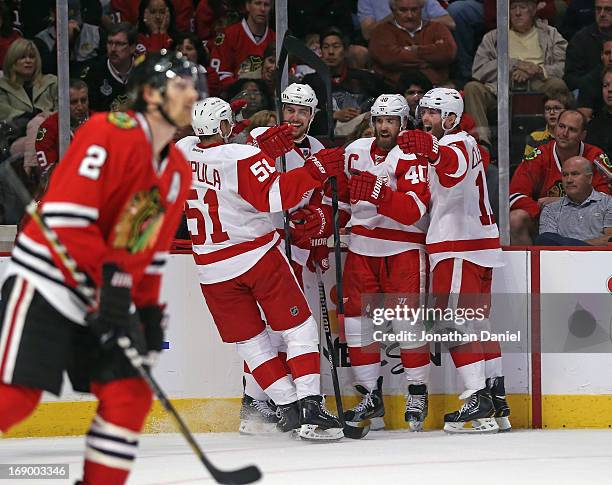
[
  {"x": 555, "y": 101},
  {"x": 108, "y": 78}
]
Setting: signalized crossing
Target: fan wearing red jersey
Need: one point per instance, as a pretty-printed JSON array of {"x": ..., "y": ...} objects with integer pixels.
[
  {"x": 463, "y": 246},
  {"x": 241, "y": 268},
  {"x": 387, "y": 201},
  {"x": 537, "y": 180},
  {"x": 115, "y": 201}
]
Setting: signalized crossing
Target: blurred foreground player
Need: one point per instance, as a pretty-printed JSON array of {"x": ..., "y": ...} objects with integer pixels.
[
  {"x": 241, "y": 267},
  {"x": 463, "y": 246},
  {"x": 115, "y": 201}
]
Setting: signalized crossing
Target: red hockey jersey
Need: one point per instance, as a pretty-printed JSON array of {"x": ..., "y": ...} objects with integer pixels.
[
  {"x": 108, "y": 200},
  {"x": 127, "y": 11},
  {"x": 239, "y": 52},
  {"x": 539, "y": 175}
]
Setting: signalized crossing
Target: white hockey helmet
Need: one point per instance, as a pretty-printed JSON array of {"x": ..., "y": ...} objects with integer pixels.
[
  {"x": 447, "y": 100},
  {"x": 390, "y": 105},
  {"x": 301, "y": 94},
  {"x": 207, "y": 117}
]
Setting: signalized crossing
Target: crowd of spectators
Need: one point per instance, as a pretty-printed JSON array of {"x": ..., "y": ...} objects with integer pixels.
[{"x": 560, "y": 50}]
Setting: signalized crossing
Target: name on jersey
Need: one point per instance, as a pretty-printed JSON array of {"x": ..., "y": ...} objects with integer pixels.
[{"x": 203, "y": 173}]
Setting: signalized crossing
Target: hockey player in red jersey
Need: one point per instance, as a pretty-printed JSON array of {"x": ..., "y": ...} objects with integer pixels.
[
  {"x": 241, "y": 267},
  {"x": 537, "y": 180},
  {"x": 388, "y": 197},
  {"x": 115, "y": 201},
  {"x": 463, "y": 246}
]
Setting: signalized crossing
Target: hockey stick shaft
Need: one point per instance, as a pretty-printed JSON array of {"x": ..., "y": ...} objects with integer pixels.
[{"x": 242, "y": 476}]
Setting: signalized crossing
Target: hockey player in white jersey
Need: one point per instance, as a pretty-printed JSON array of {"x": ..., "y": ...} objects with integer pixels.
[
  {"x": 463, "y": 245},
  {"x": 241, "y": 268},
  {"x": 388, "y": 197}
]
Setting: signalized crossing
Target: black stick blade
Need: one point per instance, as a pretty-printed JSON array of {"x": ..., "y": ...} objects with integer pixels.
[
  {"x": 245, "y": 475},
  {"x": 355, "y": 432}
]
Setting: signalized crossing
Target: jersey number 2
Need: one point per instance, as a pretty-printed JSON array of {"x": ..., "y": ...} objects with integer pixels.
[{"x": 218, "y": 235}]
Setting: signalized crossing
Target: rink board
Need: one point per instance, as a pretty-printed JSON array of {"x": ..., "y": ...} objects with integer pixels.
[{"x": 203, "y": 376}]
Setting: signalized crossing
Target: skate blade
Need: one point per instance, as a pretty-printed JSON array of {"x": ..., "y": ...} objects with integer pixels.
[
  {"x": 504, "y": 424},
  {"x": 254, "y": 428},
  {"x": 415, "y": 426},
  {"x": 377, "y": 424},
  {"x": 311, "y": 432},
  {"x": 476, "y": 426}
]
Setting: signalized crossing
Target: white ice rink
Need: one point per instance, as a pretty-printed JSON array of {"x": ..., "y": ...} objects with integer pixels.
[{"x": 576, "y": 457}]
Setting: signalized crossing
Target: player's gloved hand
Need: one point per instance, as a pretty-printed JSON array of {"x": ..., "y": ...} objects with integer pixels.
[
  {"x": 319, "y": 255},
  {"x": 241, "y": 123},
  {"x": 276, "y": 141},
  {"x": 152, "y": 319},
  {"x": 328, "y": 162},
  {"x": 368, "y": 187},
  {"x": 112, "y": 320},
  {"x": 307, "y": 223},
  {"x": 420, "y": 143}
]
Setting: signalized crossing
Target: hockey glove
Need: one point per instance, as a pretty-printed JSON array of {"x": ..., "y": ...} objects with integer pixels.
[
  {"x": 319, "y": 255},
  {"x": 328, "y": 162},
  {"x": 276, "y": 141},
  {"x": 368, "y": 187},
  {"x": 306, "y": 223},
  {"x": 112, "y": 320},
  {"x": 152, "y": 318},
  {"x": 241, "y": 123},
  {"x": 420, "y": 143}
]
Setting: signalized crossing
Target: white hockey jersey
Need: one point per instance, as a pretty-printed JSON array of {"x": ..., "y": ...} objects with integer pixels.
[
  {"x": 294, "y": 159},
  {"x": 461, "y": 220},
  {"x": 234, "y": 190},
  {"x": 377, "y": 231}
]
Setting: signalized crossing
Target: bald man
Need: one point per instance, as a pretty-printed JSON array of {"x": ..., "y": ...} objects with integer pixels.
[{"x": 583, "y": 217}]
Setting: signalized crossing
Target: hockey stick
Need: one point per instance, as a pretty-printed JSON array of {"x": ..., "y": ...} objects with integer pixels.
[
  {"x": 241, "y": 476},
  {"x": 353, "y": 432}
]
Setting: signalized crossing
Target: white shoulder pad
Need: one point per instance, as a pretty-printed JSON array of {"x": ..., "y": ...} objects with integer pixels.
[
  {"x": 186, "y": 144},
  {"x": 360, "y": 144},
  {"x": 260, "y": 130},
  {"x": 396, "y": 152},
  {"x": 315, "y": 145}
]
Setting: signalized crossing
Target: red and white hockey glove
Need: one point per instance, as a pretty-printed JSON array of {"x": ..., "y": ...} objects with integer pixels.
[
  {"x": 241, "y": 123},
  {"x": 307, "y": 223},
  {"x": 328, "y": 162},
  {"x": 368, "y": 187},
  {"x": 319, "y": 255},
  {"x": 276, "y": 141},
  {"x": 420, "y": 143}
]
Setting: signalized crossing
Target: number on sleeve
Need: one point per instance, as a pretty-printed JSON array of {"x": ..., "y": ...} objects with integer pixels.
[
  {"x": 92, "y": 163},
  {"x": 486, "y": 218},
  {"x": 416, "y": 174},
  {"x": 262, "y": 170}
]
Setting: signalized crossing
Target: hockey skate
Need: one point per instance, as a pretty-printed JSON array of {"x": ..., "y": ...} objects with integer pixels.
[
  {"x": 502, "y": 410},
  {"x": 475, "y": 416},
  {"x": 316, "y": 422},
  {"x": 371, "y": 405},
  {"x": 288, "y": 417},
  {"x": 417, "y": 402},
  {"x": 257, "y": 417}
]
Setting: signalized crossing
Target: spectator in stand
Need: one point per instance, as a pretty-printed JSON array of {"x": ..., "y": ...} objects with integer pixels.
[
  {"x": 353, "y": 90},
  {"x": 589, "y": 98},
  {"x": 47, "y": 138},
  {"x": 192, "y": 48},
  {"x": 555, "y": 102},
  {"x": 212, "y": 16},
  {"x": 268, "y": 69},
  {"x": 372, "y": 13},
  {"x": 254, "y": 92},
  {"x": 108, "y": 77},
  {"x": 579, "y": 14},
  {"x": 409, "y": 42},
  {"x": 537, "y": 57},
  {"x": 242, "y": 48},
  {"x": 156, "y": 26},
  {"x": 583, "y": 51},
  {"x": 599, "y": 129},
  {"x": 537, "y": 180},
  {"x": 362, "y": 130},
  {"x": 128, "y": 11},
  {"x": 8, "y": 34},
  {"x": 583, "y": 216},
  {"x": 413, "y": 85},
  {"x": 24, "y": 90}
]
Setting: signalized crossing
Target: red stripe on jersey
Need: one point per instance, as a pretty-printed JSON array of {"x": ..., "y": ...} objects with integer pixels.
[
  {"x": 414, "y": 358},
  {"x": 464, "y": 245},
  {"x": 467, "y": 354},
  {"x": 305, "y": 364},
  {"x": 269, "y": 372},
  {"x": 12, "y": 324},
  {"x": 389, "y": 234},
  {"x": 235, "y": 250},
  {"x": 365, "y": 355}
]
